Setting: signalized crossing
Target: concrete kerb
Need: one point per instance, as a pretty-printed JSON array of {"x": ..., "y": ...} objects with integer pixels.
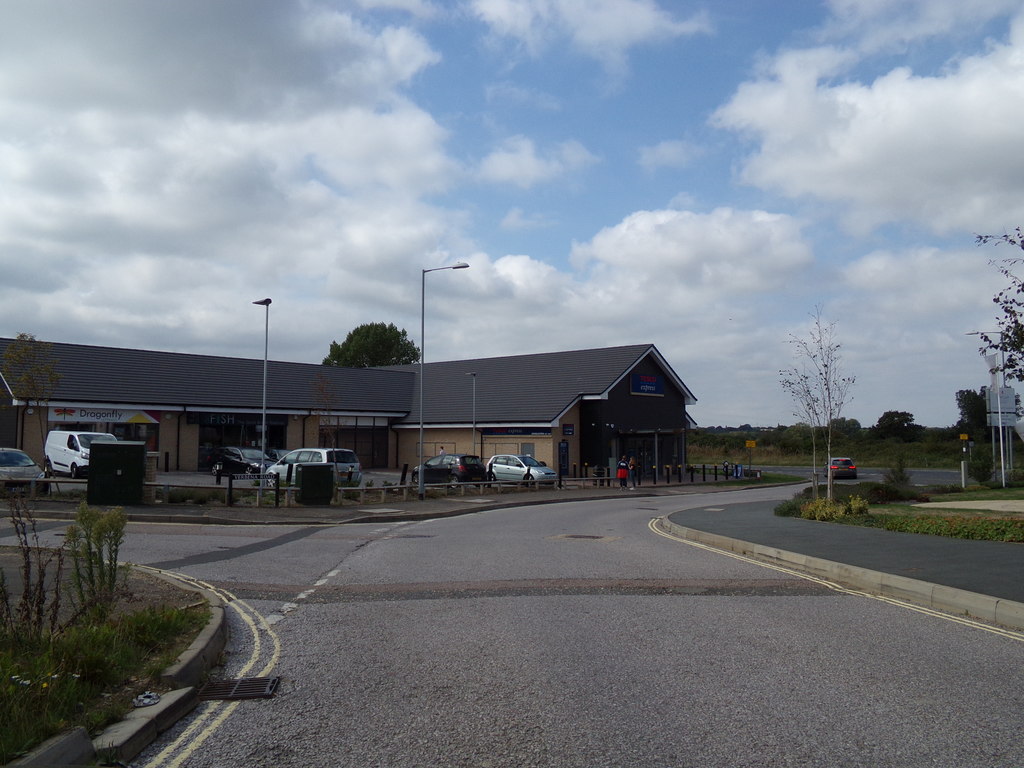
[
  {"x": 1007, "y": 613},
  {"x": 125, "y": 739}
]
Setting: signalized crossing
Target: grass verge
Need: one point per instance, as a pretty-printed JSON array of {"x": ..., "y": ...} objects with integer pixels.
[
  {"x": 889, "y": 511},
  {"x": 86, "y": 675}
]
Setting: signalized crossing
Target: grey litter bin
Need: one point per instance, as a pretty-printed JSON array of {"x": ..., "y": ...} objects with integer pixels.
[{"x": 316, "y": 483}]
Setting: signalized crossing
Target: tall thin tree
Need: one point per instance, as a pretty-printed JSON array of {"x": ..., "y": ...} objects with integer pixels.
[{"x": 816, "y": 383}]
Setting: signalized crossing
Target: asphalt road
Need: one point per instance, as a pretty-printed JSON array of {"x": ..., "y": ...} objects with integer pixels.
[
  {"x": 875, "y": 475},
  {"x": 571, "y": 635}
]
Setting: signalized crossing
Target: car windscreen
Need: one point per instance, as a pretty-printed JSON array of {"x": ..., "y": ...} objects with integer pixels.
[
  {"x": 15, "y": 459},
  {"x": 342, "y": 457},
  {"x": 252, "y": 454},
  {"x": 87, "y": 440},
  {"x": 530, "y": 461}
]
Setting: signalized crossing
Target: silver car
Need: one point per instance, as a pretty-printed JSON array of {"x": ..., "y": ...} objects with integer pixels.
[
  {"x": 509, "y": 466},
  {"x": 17, "y": 468},
  {"x": 347, "y": 469}
]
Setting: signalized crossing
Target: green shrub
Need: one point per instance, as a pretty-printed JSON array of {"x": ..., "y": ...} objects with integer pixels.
[
  {"x": 897, "y": 476},
  {"x": 858, "y": 506},
  {"x": 823, "y": 509},
  {"x": 790, "y": 508},
  {"x": 882, "y": 493},
  {"x": 980, "y": 466},
  {"x": 196, "y": 496},
  {"x": 987, "y": 529}
]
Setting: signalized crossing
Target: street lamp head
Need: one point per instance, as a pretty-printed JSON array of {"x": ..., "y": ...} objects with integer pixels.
[
  {"x": 263, "y": 302},
  {"x": 456, "y": 265}
]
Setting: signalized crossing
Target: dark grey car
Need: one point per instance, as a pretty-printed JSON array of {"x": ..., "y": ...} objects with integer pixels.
[
  {"x": 842, "y": 468},
  {"x": 452, "y": 468}
]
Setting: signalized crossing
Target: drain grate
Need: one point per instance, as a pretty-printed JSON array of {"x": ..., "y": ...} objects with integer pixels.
[{"x": 240, "y": 688}]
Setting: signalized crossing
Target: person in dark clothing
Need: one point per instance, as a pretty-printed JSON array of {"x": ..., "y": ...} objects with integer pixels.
[{"x": 622, "y": 472}]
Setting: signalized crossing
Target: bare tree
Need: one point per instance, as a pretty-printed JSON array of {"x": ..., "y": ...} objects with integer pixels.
[
  {"x": 816, "y": 383},
  {"x": 29, "y": 373},
  {"x": 326, "y": 403}
]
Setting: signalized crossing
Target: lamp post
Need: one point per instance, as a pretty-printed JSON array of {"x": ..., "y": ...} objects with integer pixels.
[
  {"x": 473, "y": 374},
  {"x": 265, "y": 303},
  {"x": 423, "y": 313}
]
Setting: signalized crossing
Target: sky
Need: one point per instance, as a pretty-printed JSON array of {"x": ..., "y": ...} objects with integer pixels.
[{"x": 701, "y": 176}]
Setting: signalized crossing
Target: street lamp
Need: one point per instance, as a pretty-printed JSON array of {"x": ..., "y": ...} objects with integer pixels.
[
  {"x": 423, "y": 314},
  {"x": 263, "y": 428},
  {"x": 473, "y": 444}
]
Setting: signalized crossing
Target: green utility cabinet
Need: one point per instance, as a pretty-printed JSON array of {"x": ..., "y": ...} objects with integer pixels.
[
  {"x": 117, "y": 473},
  {"x": 316, "y": 483}
]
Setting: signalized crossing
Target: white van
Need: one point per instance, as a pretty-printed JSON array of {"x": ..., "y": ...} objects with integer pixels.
[{"x": 67, "y": 453}]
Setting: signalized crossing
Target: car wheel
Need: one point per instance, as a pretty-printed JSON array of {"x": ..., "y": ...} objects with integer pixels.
[
  {"x": 527, "y": 476},
  {"x": 453, "y": 478},
  {"x": 74, "y": 471},
  {"x": 47, "y": 468},
  {"x": 216, "y": 469},
  {"x": 490, "y": 476}
]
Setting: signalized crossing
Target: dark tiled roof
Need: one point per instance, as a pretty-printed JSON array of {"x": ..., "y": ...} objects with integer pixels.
[
  {"x": 146, "y": 377},
  {"x": 521, "y": 389},
  {"x": 525, "y": 389}
]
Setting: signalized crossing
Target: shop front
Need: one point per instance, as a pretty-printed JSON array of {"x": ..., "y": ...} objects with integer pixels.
[{"x": 217, "y": 429}]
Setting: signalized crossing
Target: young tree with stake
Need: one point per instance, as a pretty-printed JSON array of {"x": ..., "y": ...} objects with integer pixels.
[{"x": 816, "y": 383}]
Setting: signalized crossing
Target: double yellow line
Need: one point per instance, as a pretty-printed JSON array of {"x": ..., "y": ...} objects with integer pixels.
[{"x": 214, "y": 713}]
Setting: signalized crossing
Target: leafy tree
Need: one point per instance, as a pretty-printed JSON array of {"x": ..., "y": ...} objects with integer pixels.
[
  {"x": 848, "y": 428},
  {"x": 30, "y": 372},
  {"x": 973, "y": 412},
  {"x": 897, "y": 425},
  {"x": 1009, "y": 340},
  {"x": 817, "y": 385},
  {"x": 371, "y": 345}
]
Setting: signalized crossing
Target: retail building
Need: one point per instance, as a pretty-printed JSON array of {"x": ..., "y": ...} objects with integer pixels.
[{"x": 578, "y": 409}]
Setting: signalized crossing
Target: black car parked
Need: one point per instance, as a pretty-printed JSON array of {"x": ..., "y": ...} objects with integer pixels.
[
  {"x": 239, "y": 461},
  {"x": 452, "y": 468}
]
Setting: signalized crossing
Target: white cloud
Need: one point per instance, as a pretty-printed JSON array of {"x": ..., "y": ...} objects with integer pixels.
[
  {"x": 518, "y": 162},
  {"x": 602, "y": 29},
  {"x": 881, "y": 25},
  {"x": 517, "y": 219},
  {"x": 940, "y": 150},
  {"x": 700, "y": 254},
  {"x": 667, "y": 154}
]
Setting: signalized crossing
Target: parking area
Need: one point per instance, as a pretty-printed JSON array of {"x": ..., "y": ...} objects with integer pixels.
[{"x": 373, "y": 478}]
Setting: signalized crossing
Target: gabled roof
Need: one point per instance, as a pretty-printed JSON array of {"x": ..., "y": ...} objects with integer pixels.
[
  {"x": 112, "y": 375},
  {"x": 522, "y": 389},
  {"x": 526, "y": 389}
]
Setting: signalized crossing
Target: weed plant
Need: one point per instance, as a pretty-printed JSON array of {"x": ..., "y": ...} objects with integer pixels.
[
  {"x": 54, "y": 682},
  {"x": 36, "y": 610},
  {"x": 196, "y": 496},
  {"x": 94, "y": 541},
  {"x": 61, "y": 668}
]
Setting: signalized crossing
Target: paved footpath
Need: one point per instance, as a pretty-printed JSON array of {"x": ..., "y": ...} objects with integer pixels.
[{"x": 990, "y": 568}]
